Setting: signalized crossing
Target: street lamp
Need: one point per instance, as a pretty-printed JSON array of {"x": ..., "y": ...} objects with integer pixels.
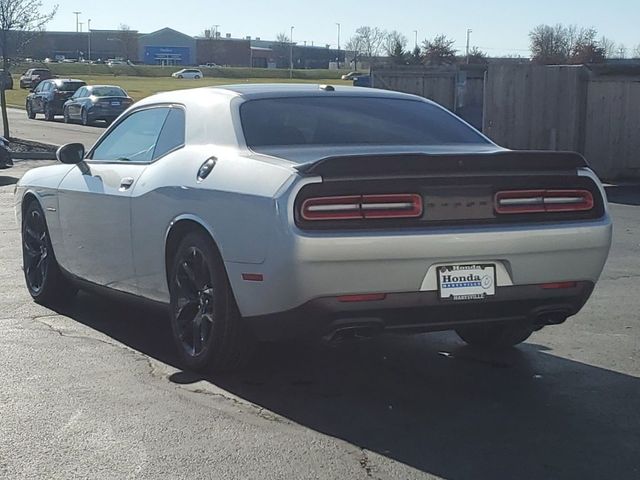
[
  {"x": 291, "y": 54},
  {"x": 89, "y": 39},
  {"x": 416, "y": 33},
  {"x": 338, "y": 45},
  {"x": 468, "y": 41},
  {"x": 77, "y": 14}
]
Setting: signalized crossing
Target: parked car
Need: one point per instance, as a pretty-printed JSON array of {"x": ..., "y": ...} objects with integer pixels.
[
  {"x": 7, "y": 79},
  {"x": 209, "y": 65},
  {"x": 266, "y": 211},
  {"x": 112, "y": 63},
  {"x": 362, "y": 81},
  {"x": 188, "y": 73},
  {"x": 32, "y": 77},
  {"x": 351, "y": 75},
  {"x": 5, "y": 154},
  {"x": 96, "y": 102},
  {"x": 50, "y": 96}
]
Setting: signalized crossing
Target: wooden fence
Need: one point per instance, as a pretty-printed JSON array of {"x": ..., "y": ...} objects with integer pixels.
[{"x": 592, "y": 110}]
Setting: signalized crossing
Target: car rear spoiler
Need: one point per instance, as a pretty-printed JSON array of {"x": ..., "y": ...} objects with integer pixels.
[{"x": 416, "y": 164}]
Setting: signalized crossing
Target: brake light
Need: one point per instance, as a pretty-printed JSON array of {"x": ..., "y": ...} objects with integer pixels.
[
  {"x": 540, "y": 201},
  {"x": 360, "y": 207}
]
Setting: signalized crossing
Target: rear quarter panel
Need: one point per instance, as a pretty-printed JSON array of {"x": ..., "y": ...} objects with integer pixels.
[{"x": 235, "y": 203}]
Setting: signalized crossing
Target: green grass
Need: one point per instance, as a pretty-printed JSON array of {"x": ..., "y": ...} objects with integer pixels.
[{"x": 140, "y": 87}]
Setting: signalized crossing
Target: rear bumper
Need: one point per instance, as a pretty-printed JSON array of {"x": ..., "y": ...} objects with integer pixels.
[
  {"x": 302, "y": 267},
  {"x": 422, "y": 312}
]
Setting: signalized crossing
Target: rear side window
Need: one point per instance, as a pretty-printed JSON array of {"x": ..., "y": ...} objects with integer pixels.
[
  {"x": 69, "y": 86},
  {"x": 351, "y": 121},
  {"x": 172, "y": 134}
]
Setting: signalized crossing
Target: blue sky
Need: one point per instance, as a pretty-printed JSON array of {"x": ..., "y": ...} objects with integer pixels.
[{"x": 499, "y": 26}]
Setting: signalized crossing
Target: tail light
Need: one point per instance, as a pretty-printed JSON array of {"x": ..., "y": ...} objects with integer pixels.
[
  {"x": 540, "y": 201},
  {"x": 359, "y": 207}
]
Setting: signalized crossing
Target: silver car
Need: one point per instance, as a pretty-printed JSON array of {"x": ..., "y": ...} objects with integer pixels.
[{"x": 258, "y": 212}]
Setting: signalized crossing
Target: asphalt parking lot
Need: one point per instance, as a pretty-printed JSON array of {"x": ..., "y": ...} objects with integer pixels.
[{"x": 95, "y": 392}]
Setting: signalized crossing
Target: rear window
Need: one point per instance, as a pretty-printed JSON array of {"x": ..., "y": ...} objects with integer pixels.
[
  {"x": 351, "y": 121},
  {"x": 40, "y": 72},
  {"x": 108, "y": 92},
  {"x": 69, "y": 86}
]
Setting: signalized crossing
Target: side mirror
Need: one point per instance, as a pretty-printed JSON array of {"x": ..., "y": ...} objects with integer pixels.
[{"x": 71, "y": 153}]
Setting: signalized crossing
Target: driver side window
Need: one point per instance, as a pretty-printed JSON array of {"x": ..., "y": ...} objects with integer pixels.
[{"x": 134, "y": 139}]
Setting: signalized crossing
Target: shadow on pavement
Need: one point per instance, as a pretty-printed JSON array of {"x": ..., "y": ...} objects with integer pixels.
[
  {"x": 4, "y": 181},
  {"x": 624, "y": 194},
  {"x": 428, "y": 401}
]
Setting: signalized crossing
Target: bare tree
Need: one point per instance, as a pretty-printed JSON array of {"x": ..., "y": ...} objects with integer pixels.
[
  {"x": 367, "y": 42},
  {"x": 392, "y": 41},
  {"x": 636, "y": 52},
  {"x": 354, "y": 50},
  {"x": 129, "y": 41},
  {"x": 608, "y": 46},
  {"x": 439, "y": 51},
  {"x": 282, "y": 50},
  {"x": 586, "y": 49},
  {"x": 551, "y": 44},
  {"x": 621, "y": 51},
  {"x": 19, "y": 20}
]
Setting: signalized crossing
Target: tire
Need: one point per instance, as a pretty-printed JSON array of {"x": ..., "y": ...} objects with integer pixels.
[
  {"x": 208, "y": 330},
  {"x": 499, "y": 336},
  {"x": 66, "y": 116},
  {"x": 180, "y": 76},
  {"x": 45, "y": 281},
  {"x": 85, "y": 117},
  {"x": 30, "y": 113},
  {"x": 49, "y": 116},
  {"x": 197, "y": 77}
]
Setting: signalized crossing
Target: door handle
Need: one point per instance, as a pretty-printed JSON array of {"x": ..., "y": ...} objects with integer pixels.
[{"x": 126, "y": 183}]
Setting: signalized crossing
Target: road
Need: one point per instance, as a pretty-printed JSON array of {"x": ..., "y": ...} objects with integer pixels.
[
  {"x": 55, "y": 133},
  {"x": 95, "y": 392}
]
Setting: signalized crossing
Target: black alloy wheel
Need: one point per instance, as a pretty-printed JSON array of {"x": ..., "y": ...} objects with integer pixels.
[
  {"x": 43, "y": 277},
  {"x": 85, "y": 117},
  {"x": 36, "y": 251},
  {"x": 30, "y": 113},
  {"x": 195, "y": 306},
  {"x": 48, "y": 113},
  {"x": 207, "y": 327}
]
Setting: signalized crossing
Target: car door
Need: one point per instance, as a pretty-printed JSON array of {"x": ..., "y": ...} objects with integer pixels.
[
  {"x": 95, "y": 201},
  {"x": 76, "y": 103},
  {"x": 36, "y": 100}
]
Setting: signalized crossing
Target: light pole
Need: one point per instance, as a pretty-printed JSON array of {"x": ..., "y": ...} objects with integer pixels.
[
  {"x": 338, "y": 45},
  {"x": 89, "y": 39},
  {"x": 416, "y": 33},
  {"x": 468, "y": 41},
  {"x": 291, "y": 54},
  {"x": 77, "y": 14}
]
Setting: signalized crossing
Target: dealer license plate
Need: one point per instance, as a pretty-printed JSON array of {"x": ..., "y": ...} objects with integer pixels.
[{"x": 467, "y": 282}]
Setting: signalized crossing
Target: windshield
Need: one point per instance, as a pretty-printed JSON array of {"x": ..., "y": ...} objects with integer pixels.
[
  {"x": 351, "y": 121},
  {"x": 69, "y": 86},
  {"x": 108, "y": 92}
]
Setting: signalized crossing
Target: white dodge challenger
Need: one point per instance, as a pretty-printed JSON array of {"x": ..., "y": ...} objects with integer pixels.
[{"x": 257, "y": 212}]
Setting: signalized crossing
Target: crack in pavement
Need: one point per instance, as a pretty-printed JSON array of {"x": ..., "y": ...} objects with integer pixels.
[{"x": 155, "y": 372}]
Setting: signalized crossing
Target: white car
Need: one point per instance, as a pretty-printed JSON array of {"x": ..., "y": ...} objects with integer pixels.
[
  {"x": 262, "y": 211},
  {"x": 188, "y": 73}
]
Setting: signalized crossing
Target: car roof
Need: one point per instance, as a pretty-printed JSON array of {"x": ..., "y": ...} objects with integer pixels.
[
  {"x": 245, "y": 92},
  {"x": 104, "y": 86},
  {"x": 267, "y": 90}
]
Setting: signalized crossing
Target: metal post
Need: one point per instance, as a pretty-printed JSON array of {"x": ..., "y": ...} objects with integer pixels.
[
  {"x": 89, "y": 39},
  {"x": 416, "y": 32},
  {"x": 291, "y": 54},
  {"x": 77, "y": 14},
  {"x": 338, "y": 45},
  {"x": 468, "y": 41}
]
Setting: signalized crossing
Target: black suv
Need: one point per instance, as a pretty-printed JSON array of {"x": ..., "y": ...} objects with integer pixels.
[
  {"x": 50, "y": 95},
  {"x": 32, "y": 77}
]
